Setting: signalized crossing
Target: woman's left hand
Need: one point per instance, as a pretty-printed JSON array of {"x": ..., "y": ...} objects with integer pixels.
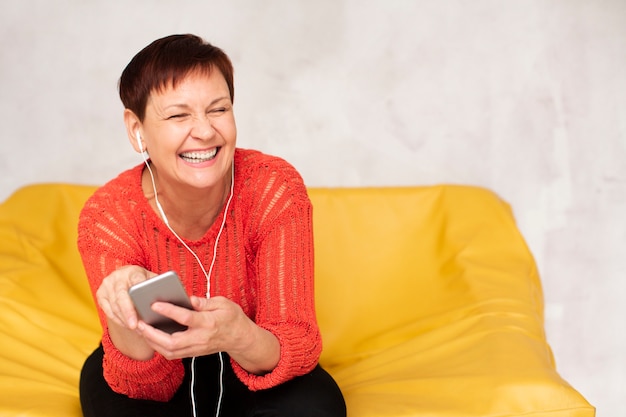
[{"x": 215, "y": 325}]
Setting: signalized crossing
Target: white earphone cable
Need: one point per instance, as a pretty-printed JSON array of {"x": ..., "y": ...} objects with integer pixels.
[{"x": 206, "y": 274}]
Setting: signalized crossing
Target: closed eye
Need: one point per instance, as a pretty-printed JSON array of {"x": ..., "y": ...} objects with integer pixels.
[{"x": 177, "y": 116}]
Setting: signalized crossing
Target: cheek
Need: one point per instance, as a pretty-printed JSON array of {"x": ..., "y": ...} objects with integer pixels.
[
  {"x": 169, "y": 135},
  {"x": 229, "y": 130},
  {"x": 162, "y": 146}
]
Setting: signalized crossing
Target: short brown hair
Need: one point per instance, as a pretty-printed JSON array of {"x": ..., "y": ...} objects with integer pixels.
[{"x": 165, "y": 62}]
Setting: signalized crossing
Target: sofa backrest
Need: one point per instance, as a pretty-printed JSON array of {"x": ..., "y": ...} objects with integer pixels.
[
  {"x": 394, "y": 263},
  {"x": 391, "y": 263}
]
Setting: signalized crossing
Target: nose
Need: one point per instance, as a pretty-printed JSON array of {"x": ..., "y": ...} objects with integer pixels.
[{"x": 202, "y": 128}]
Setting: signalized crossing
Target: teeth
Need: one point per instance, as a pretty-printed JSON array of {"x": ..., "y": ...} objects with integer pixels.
[{"x": 199, "y": 156}]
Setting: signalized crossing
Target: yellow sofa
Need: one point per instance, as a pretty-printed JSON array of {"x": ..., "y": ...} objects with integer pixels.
[{"x": 428, "y": 300}]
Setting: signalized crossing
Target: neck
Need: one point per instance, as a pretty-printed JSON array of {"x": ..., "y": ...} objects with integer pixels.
[{"x": 189, "y": 212}]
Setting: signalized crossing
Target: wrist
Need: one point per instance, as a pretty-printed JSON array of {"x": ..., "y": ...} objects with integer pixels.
[{"x": 259, "y": 352}]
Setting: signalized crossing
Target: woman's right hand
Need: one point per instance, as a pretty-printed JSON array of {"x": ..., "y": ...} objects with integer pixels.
[
  {"x": 113, "y": 296},
  {"x": 113, "y": 299}
]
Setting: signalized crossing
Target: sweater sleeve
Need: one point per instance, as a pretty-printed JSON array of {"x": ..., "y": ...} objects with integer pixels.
[
  {"x": 107, "y": 241},
  {"x": 285, "y": 291}
]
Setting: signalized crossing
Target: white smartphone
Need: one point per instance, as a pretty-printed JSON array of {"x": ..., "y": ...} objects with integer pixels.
[{"x": 165, "y": 287}]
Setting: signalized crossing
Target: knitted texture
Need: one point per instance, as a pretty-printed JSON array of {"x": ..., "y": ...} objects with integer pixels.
[{"x": 264, "y": 263}]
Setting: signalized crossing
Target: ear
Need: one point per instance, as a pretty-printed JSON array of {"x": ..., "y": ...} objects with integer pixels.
[{"x": 133, "y": 128}]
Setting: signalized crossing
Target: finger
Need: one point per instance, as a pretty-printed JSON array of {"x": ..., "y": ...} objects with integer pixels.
[
  {"x": 170, "y": 346},
  {"x": 200, "y": 303},
  {"x": 113, "y": 295},
  {"x": 137, "y": 274},
  {"x": 127, "y": 311},
  {"x": 155, "y": 338},
  {"x": 107, "y": 302},
  {"x": 180, "y": 315},
  {"x": 197, "y": 340},
  {"x": 106, "y": 307},
  {"x": 133, "y": 275},
  {"x": 210, "y": 304}
]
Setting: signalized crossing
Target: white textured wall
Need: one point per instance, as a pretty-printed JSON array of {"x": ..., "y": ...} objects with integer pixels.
[{"x": 527, "y": 98}]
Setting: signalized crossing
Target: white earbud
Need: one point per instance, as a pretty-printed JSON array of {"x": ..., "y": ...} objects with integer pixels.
[{"x": 138, "y": 136}]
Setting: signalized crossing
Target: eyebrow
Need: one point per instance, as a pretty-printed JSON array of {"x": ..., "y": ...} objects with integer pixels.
[{"x": 184, "y": 106}]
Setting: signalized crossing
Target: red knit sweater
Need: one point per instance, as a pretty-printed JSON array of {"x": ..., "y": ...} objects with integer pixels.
[{"x": 264, "y": 263}]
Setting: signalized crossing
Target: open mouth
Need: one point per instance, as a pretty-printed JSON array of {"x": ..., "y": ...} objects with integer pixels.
[{"x": 198, "y": 157}]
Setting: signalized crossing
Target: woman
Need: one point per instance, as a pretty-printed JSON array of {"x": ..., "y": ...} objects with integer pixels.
[{"x": 236, "y": 226}]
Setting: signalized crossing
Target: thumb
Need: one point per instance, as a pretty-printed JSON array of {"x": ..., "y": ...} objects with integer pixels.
[{"x": 200, "y": 303}]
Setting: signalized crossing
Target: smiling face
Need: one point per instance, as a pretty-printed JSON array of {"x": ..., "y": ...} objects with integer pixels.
[{"x": 189, "y": 132}]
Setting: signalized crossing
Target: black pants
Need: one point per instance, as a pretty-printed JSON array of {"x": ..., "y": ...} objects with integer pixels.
[{"x": 313, "y": 395}]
